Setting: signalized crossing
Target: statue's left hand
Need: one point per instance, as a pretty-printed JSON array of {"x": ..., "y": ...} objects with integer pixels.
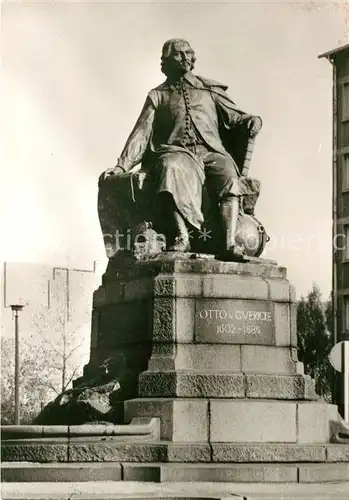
[{"x": 254, "y": 124}]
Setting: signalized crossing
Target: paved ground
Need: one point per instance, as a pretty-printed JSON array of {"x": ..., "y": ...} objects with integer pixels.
[{"x": 136, "y": 490}]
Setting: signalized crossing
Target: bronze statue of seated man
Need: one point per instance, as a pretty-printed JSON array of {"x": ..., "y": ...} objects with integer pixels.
[{"x": 191, "y": 141}]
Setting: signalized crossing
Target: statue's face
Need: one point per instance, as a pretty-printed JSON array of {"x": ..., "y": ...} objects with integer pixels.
[{"x": 181, "y": 57}]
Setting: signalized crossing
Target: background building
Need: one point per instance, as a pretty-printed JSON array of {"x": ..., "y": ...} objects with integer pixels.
[
  {"x": 339, "y": 59},
  {"x": 340, "y": 285},
  {"x": 42, "y": 288}
]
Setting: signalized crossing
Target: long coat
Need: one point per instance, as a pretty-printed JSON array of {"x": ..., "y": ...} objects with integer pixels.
[
  {"x": 161, "y": 124},
  {"x": 161, "y": 128}
]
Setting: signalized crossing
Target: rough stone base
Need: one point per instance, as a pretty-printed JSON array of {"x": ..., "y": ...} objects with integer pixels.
[
  {"x": 199, "y": 384},
  {"x": 109, "y": 449}
]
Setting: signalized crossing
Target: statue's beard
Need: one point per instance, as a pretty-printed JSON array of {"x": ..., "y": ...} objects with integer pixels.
[{"x": 177, "y": 69}]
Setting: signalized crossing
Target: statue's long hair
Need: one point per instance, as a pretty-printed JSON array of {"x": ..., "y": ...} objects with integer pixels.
[{"x": 166, "y": 54}]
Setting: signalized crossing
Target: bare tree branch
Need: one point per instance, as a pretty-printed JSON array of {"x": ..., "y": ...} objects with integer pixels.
[
  {"x": 73, "y": 350},
  {"x": 71, "y": 377}
]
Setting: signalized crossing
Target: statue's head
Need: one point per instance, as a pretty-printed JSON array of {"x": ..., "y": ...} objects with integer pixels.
[{"x": 177, "y": 57}]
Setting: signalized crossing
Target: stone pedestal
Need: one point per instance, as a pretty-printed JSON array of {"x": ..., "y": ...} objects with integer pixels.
[
  {"x": 222, "y": 346},
  {"x": 209, "y": 350}
]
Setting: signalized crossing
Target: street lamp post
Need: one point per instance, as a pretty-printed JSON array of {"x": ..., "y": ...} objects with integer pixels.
[{"x": 17, "y": 308}]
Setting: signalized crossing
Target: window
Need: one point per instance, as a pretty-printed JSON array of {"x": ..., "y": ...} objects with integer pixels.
[
  {"x": 346, "y": 313},
  {"x": 345, "y": 102},
  {"x": 345, "y": 172}
]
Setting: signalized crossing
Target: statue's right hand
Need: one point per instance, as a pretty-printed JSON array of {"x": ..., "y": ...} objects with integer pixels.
[{"x": 109, "y": 173}]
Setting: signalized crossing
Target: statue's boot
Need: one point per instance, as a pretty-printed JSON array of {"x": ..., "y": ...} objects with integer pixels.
[
  {"x": 229, "y": 209},
  {"x": 171, "y": 223},
  {"x": 180, "y": 242}
]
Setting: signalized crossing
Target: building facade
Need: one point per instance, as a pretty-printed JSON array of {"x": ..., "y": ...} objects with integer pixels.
[
  {"x": 339, "y": 58},
  {"x": 40, "y": 287}
]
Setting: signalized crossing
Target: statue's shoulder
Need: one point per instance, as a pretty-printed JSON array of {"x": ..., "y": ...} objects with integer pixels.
[
  {"x": 162, "y": 86},
  {"x": 207, "y": 82},
  {"x": 217, "y": 89},
  {"x": 198, "y": 81},
  {"x": 155, "y": 93}
]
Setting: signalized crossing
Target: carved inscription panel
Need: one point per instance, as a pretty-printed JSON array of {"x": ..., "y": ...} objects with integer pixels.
[{"x": 234, "y": 321}]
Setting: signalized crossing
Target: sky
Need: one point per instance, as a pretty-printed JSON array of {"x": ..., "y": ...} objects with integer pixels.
[{"x": 74, "y": 76}]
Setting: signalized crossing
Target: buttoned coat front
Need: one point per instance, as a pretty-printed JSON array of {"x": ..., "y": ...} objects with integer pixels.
[{"x": 163, "y": 122}]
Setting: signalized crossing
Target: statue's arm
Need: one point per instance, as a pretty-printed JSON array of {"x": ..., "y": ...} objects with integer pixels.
[
  {"x": 137, "y": 143},
  {"x": 231, "y": 115}
]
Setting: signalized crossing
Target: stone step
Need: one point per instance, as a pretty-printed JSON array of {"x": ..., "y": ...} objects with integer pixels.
[
  {"x": 139, "y": 428},
  {"x": 205, "y": 384},
  {"x": 125, "y": 490},
  {"x": 60, "y": 472},
  {"x": 242, "y": 473},
  {"x": 176, "y": 472},
  {"x": 109, "y": 449}
]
